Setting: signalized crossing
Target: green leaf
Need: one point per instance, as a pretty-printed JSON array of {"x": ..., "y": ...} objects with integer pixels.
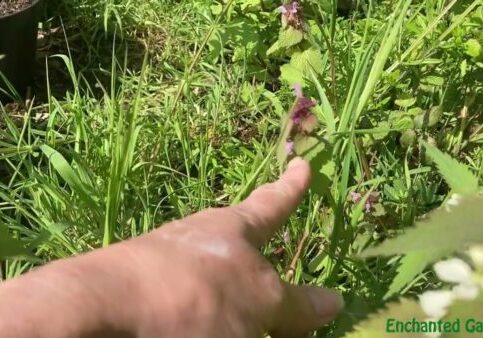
[
  {"x": 473, "y": 48},
  {"x": 400, "y": 121},
  {"x": 307, "y": 61},
  {"x": 388, "y": 41},
  {"x": 443, "y": 232},
  {"x": 408, "y": 138},
  {"x": 377, "y": 325},
  {"x": 318, "y": 152},
  {"x": 406, "y": 102},
  {"x": 456, "y": 174},
  {"x": 65, "y": 170},
  {"x": 302, "y": 66},
  {"x": 288, "y": 38},
  {"x": 433, "y": 80},
  {"x": 249, "y": 4},
  {"x": 11, "y": 247},
  {"x": 428, "y": 118},
  {"x": 381, "y": 131},
  {"x": 291, "y": 75},
  {"x": 410, "y": 267}
]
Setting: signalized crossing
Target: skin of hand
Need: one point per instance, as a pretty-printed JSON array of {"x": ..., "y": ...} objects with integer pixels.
[{"x": 201, "y": 276}]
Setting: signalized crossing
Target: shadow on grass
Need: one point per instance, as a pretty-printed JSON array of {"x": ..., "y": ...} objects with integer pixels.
[{"x": 91, "y": 48}]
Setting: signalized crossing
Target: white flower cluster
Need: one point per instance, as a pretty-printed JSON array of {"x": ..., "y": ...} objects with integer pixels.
[{"x": 435, "y": 303}]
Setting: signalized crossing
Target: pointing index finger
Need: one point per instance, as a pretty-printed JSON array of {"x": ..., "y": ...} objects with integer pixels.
[{"x": 268, "y": 207}]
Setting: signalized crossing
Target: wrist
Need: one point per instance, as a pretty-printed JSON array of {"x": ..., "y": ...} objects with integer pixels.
[{"x": 85, "y": 296}]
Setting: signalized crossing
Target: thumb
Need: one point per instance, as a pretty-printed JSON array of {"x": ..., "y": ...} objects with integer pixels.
[{"x": 304, "y": 309}]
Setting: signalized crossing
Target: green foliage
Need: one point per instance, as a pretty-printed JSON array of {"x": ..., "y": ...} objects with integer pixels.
[
  {"x": 376, "y": 325},
  {"x": 302, "y": 65},
  {"x": 318, "y": 153},
  {"x": 428, "y": 118},
  {"x": 411, "y": 265},
  {"x": 456, "y": 226},
  {"x": 457, "y": 175},
  {"x": 86, "y": 192},
  {"x": 288, "y": 38},
  {"x": 11, "y": 247}
]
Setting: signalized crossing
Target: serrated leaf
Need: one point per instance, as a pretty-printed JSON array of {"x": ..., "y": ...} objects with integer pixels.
[
  {"x": 318, "y": 152},
  {"x": 400, "y": 121},
  {"x": 291, "y": 75},
  {"x": 307, "y": 61},
  {"x": 319, "y": 262},
  {"x": 446, "y": 230},
  {"x": 302, "y": 65},
  {"x": 10, "y": 247},
  {"x": 457, "y": 175},
  {"x": 377, "y": 325},
  {"x": 410, "y": 267},
  {"x": 288, "y": 38}
]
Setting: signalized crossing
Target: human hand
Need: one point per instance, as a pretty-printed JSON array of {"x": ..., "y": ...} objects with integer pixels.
[{"x": 201, "y": 276}]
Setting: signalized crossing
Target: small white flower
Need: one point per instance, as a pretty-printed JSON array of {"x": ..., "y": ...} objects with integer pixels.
[
  {"x": 476, "y": 254},
  {"x": 453, "y": 270},
  {"x": 454, "y": 200},
  {"x": 435, "y": 303},
  {"x": 466, "y": 291}
]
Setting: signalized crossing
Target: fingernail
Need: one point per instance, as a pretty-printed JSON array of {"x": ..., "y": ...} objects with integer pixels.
[
  {"x": 327, "y": 303},
  {"x": 296, "y": 162}
]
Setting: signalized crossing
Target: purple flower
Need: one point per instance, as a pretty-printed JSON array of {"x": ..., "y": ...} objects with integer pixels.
[
  {"x": 292, "y": 15},
  {"x": 368, "y": 206},
  {"x": 301, "y": 115},
  {"x": 289, "y": 9},
  {"x": 356, "y": 197},
  {"x": 372, "y": 199}
]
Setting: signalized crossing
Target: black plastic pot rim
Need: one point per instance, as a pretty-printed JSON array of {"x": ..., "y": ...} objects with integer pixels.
[{"x": 34, "y": 2}]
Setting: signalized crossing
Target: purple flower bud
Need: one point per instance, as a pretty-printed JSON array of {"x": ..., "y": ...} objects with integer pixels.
[
  {"x": 301, "y": 114},
  {"x": 356, "y": 197},
  {"x": 372, "y": 199},
  {"x": 368, "y": 206},
  {"x": 292, "y": 14}
]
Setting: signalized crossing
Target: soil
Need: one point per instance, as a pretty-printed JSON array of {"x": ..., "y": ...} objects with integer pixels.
[{"x": 12, "y": 6}]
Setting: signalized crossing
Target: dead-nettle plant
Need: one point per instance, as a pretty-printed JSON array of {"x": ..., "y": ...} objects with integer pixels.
[
  {"x": 452, "y": 230},
  {"x": 295, "y": 40},
  {"x": 325, "y": 135},
  {"x": 301, "y": 137}
]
